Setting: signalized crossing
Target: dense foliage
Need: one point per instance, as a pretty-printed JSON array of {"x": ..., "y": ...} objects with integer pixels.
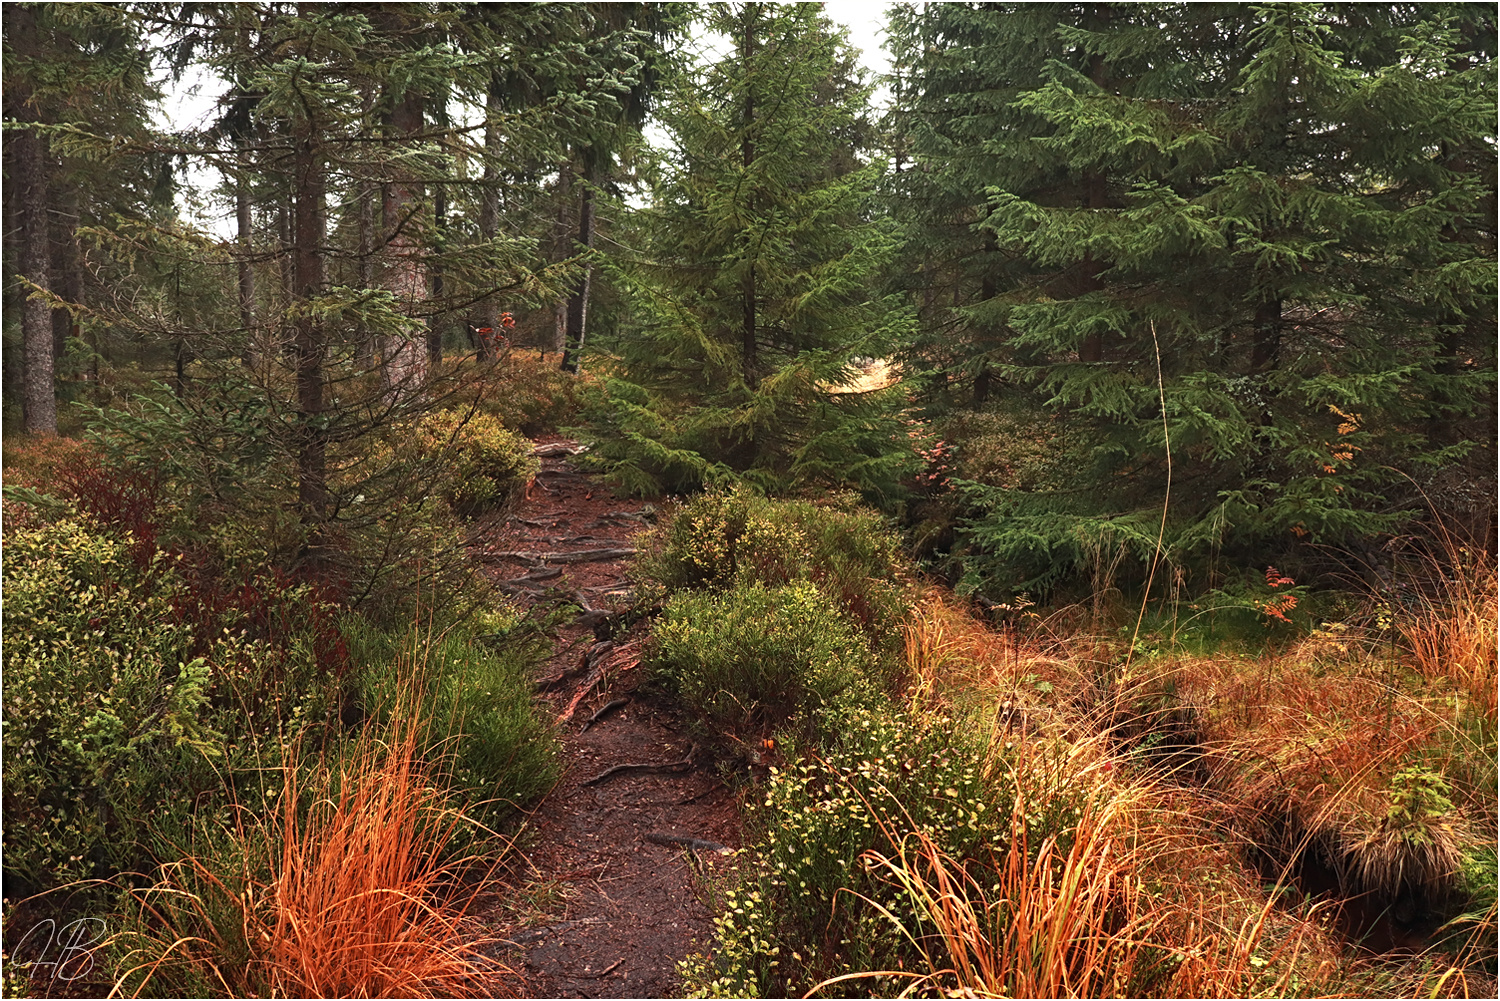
[
  {"x": 1242, "y": 257},
  {"x": 753, "y": 287},
  {"x": 1166, "y": 332}
]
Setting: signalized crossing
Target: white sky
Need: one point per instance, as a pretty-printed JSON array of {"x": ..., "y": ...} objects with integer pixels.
[{"x": 191, "y": 103}]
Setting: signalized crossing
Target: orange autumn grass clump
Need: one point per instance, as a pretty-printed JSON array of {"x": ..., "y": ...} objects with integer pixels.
[
  {"x": 1075, "y": 916},
  {"x": 1453, "y": 634},
  {"x": 345, "y": 893}
]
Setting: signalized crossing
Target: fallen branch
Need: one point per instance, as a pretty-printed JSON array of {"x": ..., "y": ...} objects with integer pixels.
[
  {"x": 695, "y": 797},
  {"x": 604, "y": 711},
  {"x": 559, "y": 448},
  {"x": 583, "y": 689},
  {"x": 612, "y": 967},
  {"x": 695, "y": 844},
  {"x": 535, "y": 577},
  {"x": 646, "y": 766}
]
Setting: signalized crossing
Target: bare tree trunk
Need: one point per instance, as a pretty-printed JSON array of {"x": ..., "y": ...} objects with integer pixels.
[
  {"x": 405, "y": 363},
  {"x": 243, "y": 223},
  {"x": 40, "y": 394},
  {"x": 33, "y": 260},
  {"x": 749, "y": 359},
  {"x": 486, "y": 315},
  {"x": 578, "y": 302},
  {"x": 364, "y": 348},
  {"x": 1265, "y": 350},
  {"x": 559, "y": 328},
  {"x": 436, "y": 322},
  {"x": 310, "y": 343}
]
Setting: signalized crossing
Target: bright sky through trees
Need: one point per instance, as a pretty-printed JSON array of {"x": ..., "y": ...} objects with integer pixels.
[{"x": 190, "y": 103}]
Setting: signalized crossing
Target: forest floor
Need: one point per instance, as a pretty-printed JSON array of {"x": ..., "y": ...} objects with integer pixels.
[{"x": 605, "y": 903}]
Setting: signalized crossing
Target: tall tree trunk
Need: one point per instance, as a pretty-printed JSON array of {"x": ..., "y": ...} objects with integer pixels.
[
  {"x": 404, "y": 368},
  {"x": 310, "y": 343},
  {"x": 251, "y": 355},
  {"x": 578, "y": 302},
  {"x": 364, "y": 348},
  {"x": 436, "y": 322},
  {"x": 11, "y": 366},
  {"x": 988, "y": 289},
  {"x": 39, "y": 394},
  {"x": 486, "y": 315},
  {"x": 748, "y": 349},
  {"x": 40, "y": 398},
  {"x": 1265, "y": 349}
]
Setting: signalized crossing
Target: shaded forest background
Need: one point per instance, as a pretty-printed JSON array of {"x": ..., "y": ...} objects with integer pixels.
[{"x": 1169, "y": 325}]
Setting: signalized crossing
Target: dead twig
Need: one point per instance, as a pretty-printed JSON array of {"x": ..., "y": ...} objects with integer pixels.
[
  {"x": 695, "y": 844},
  {"x": 644, "y": 766},
  {"x": 699, "y": 795},
  {"x": 604, "y": 711},
  {"x": 612, "y": 967}
]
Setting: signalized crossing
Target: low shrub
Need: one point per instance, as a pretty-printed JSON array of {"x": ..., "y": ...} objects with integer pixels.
[
  {"x": 526, "y": 392},
  {"x": 750, "y": 658},
  {"x": 721, "y": 539},
  {"x": 125, "y": 705},
  {"x": 803, "y": 913},
  {"x": 484, "y": 465},
  {"x": 494, "y": 745}
]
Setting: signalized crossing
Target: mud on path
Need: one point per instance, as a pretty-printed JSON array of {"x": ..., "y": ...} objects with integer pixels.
[{"x": 617, "y": 899}]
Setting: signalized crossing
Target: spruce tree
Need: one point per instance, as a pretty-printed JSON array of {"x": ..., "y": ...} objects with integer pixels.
[
  {"x": 1267, "y": 204},
  {"x": 752, "y": 293}
]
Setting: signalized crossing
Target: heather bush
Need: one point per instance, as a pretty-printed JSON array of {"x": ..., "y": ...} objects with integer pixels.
[
  {"x": 483, "y": 466},
  {"x": 750, "y": 658},
  {"x": 808, "y": 908},
  {"x": 528, "y": 394},
  {"x": 722, "y": 539},
  {"x": 127, "y": 701},
  {"x": 492, "y": 742}
]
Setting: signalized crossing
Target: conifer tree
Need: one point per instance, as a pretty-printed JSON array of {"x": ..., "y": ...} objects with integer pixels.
[
  {"x": 752, "y": 294},
  {"x": 1266, "y": 203}
]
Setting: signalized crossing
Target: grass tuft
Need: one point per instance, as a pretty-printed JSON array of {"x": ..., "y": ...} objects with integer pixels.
[{"x": 346, "y": 891}]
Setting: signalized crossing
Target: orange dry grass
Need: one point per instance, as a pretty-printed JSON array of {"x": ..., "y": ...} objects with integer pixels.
[
  {"x": 1454, "y": 636},
  {"x": 363, "y": 906},
  {"x": 1308, "y": 762},
  {"x": 947, "y": 648},
  {"x": 1072, "y": 917},
  {"x": 358, "y": 902}
]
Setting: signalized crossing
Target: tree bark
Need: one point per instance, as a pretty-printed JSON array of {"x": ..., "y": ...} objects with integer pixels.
[
  {"x": 405, "y": 363},
  {"x": 436, "y": 321},
  {"x": 307, "y": 266},
  {"x": 1265, "y": 349},
  {"x": 486, "y": 313},
  {"x": 34, "y": 257},
  {"x": 250, "y": 355},
  {"x": 578, "y": 302},
  {"x": 748, "y": 348},
  {"x": 40, "y": 394}
]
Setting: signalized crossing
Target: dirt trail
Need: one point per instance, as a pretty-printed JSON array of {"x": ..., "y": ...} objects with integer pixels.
[{"x": 629, "y": 907}]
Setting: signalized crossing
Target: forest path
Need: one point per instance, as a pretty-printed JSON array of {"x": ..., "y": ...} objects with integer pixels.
[{"x": 612, "y": 911}]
